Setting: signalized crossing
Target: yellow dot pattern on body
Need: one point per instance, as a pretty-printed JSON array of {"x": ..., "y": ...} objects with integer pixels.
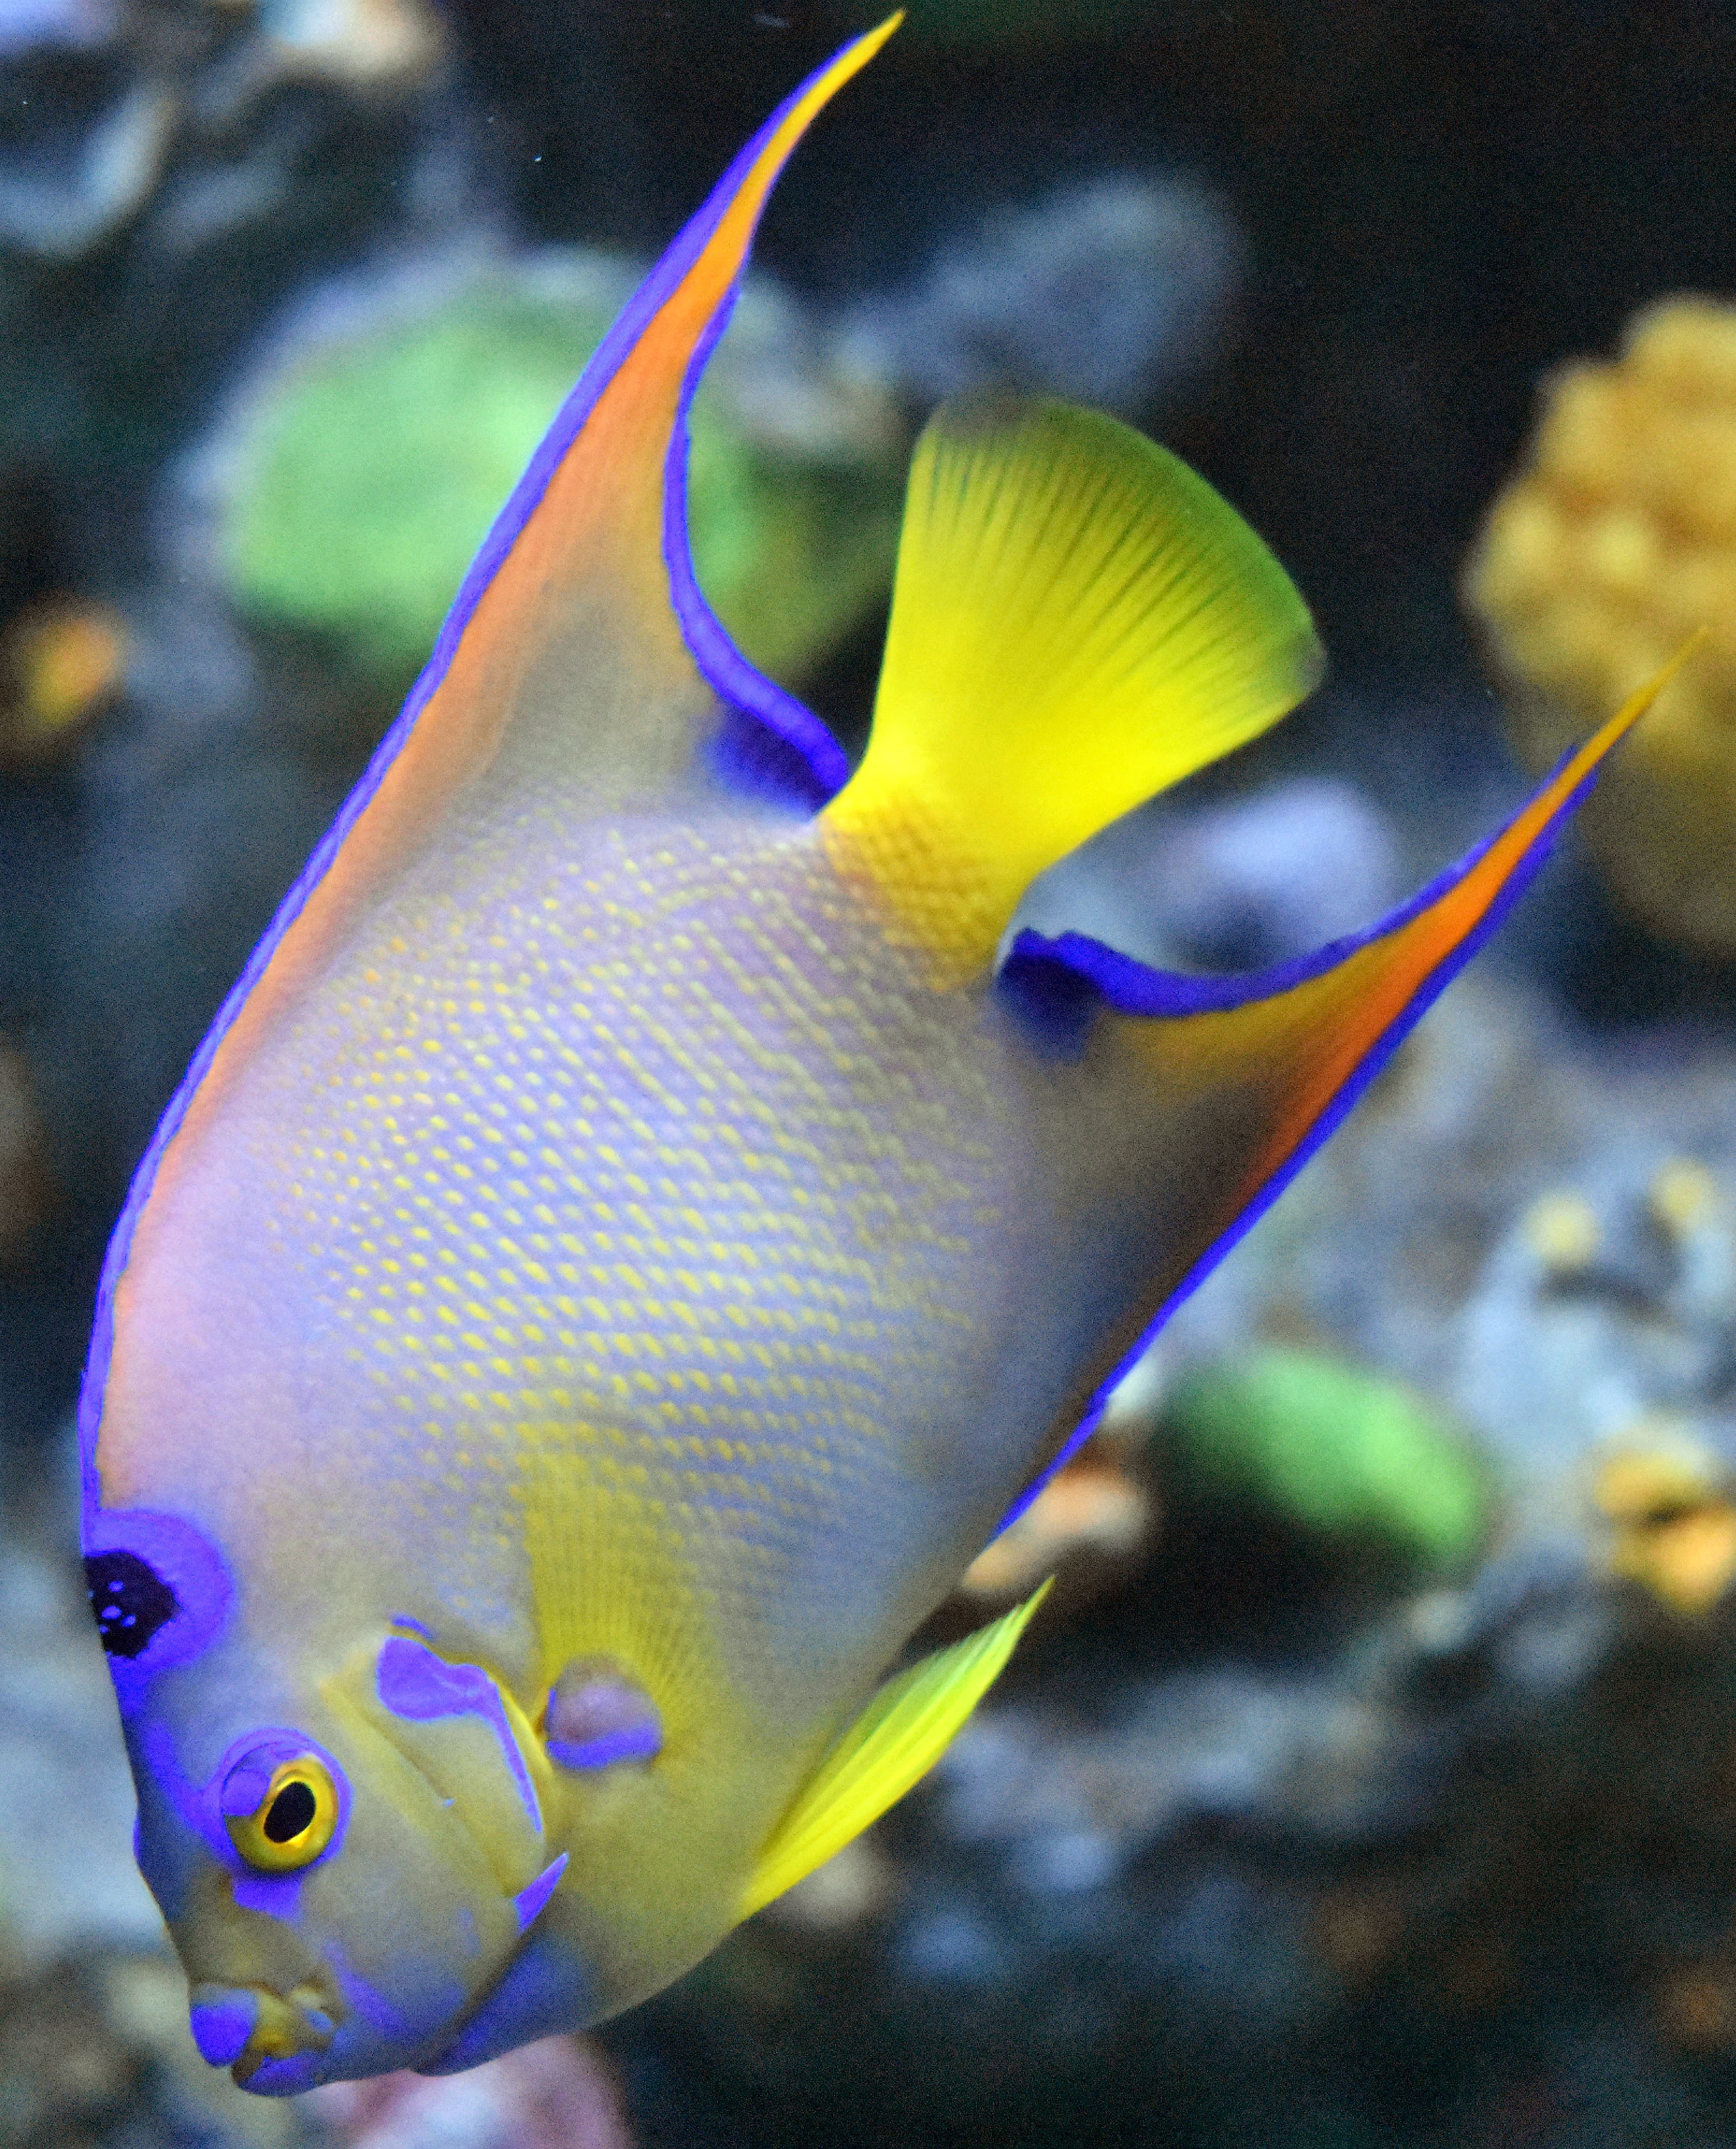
[{"x": 610, "y": 1183}]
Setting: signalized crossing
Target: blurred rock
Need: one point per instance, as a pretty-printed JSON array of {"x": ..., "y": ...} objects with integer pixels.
[
  {"x": 1673, "y": 1518},
  {"x": 198, "y": 800},
  {"x": 169, "y": 170},
  {"x": 67, "y": 2078},
  {"x": 1026, "y": 22},
  {"x": 67, "y": 1876},
  {"x": 61, "y": 664},
  {"x": 1232, "y": 886},
  {"x": 554, "y": 2095},
  {"x": 26, "y": 1189},
  {"x": 51, "y": 23},
  {"x": 1089, "y": 1527},
  {"x": 1106, "y": 291},
  {"x": 380, "y": 46},
  {"x": 1339, "y": 1451}
]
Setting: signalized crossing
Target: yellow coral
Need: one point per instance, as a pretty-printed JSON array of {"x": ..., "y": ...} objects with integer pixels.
[{"x": 1605, "y": 554}]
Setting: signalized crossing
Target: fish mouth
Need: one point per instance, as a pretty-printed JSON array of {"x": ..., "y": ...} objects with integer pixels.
[{"x": 273, "y": 2043}]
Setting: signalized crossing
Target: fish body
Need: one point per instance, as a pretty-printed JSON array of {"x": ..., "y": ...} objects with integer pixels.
[{"x": 634, "y": 1232}]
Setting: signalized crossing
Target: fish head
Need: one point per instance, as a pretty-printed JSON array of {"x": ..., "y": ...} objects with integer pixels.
[{"x": 349, "y": 1845}]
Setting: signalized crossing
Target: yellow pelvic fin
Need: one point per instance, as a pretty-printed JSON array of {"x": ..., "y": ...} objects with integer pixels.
[
  {"x": 895, "y": 1741},
  {"x": 1078, "y": 621}
]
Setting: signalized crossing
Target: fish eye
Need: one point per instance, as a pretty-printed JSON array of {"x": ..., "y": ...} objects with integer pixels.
[{"x": 292, "y": 1822}]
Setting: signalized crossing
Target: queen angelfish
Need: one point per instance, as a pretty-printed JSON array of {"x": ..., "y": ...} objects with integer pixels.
[{"x": 636, "y": 1228}]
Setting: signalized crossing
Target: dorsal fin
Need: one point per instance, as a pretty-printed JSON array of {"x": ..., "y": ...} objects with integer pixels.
[
  {"x": 895, "y": 1742},
  {"x": 1299, "y": 1045},
  {"x": 1078, "y": 621}
]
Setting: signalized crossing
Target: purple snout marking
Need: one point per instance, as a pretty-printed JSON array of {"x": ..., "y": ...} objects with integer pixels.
[
  {"x": 417, "y": 1685},
  {"x": 221, "y": 2024}
]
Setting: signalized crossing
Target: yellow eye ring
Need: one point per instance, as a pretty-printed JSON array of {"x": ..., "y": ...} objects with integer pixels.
[{"x": 294, "y": 1822}]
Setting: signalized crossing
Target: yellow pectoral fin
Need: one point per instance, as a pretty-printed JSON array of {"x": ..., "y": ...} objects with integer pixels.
[
  {"x": 1078, "y": 621},
  {"x": 891, "y": 1745}
]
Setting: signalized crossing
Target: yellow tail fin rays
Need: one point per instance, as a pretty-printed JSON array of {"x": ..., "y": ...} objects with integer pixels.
[
  {"x": 891, "y": 1745},
  {"x": 1077, "y": 621},
  {"x": 1308, "y": 1038}
]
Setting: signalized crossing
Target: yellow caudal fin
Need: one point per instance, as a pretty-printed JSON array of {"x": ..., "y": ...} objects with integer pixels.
[
  {"x": 1078, "y": 621},
  {"x": 891, "y": 1745}
]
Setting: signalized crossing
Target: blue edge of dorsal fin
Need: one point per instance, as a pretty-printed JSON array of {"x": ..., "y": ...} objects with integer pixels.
[
  {"x": 768, "y": 744},
  {"x": 1059, "y": 985}
]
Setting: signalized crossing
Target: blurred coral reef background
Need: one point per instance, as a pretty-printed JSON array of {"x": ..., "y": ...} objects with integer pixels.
[{"x": 1370, "y": 1775}]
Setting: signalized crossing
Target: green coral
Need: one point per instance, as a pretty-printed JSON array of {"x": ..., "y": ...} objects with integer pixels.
[
  {"x": 1339, "y": 1451},
  {"x": 362, "y": 478}
]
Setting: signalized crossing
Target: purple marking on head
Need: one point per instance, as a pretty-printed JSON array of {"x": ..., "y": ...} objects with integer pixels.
[
  {"x": 641, "y": 1742},
  {"x": 1137, "y": 989},
  {"x": 531, "y": 1900},
  {"x": 272, "y": 1894},
  {"x": 417, "y": 1685},
  {"x": 222, "y": 2027},
  {"x": 244, "y": 1787},
  {"x": 416, "y": 1626},
  {"x": 719, "y": 660},
  {"x": 159, "y": 1591}
]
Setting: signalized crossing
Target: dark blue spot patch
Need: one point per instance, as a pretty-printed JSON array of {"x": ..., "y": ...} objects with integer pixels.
[{"x": 129, "y": 1600}]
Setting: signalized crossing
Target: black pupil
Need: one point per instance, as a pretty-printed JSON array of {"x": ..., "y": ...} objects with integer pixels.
[
  {"x": 130, "y": 1600},
  {"x": 290, "y": 1813}
]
